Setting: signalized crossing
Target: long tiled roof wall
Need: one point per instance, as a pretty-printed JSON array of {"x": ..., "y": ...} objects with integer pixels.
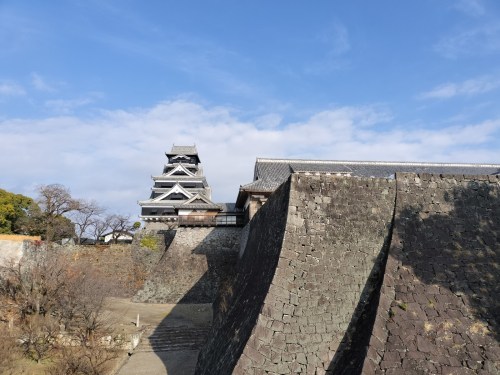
[{"x": 270, "y": 173}]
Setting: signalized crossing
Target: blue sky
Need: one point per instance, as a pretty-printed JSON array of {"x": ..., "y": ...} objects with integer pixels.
[{"x": 92, "y": 93}]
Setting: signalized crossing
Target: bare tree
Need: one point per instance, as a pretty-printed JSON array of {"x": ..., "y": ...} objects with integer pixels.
[
  {"x": 36, "y": 284},
  {"x": 38, "y": 338},
  {"x": 93, "y": 360},
  {"x": 55, "y": 201},
  {"x": 85, "y": 217},
  {"x": 119, "y": 224},
  {"x": 48, "y": 292},
  {"x": 90, "y": 318},
  {"x": 98, "y": 227}
]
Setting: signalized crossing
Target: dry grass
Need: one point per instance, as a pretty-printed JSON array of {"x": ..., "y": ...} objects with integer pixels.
[{"x": 479, "y": 328}]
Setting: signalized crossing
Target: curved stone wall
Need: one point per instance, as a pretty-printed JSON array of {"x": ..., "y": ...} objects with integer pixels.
[
  {"x": 295, "y": 298},
  {"x": 254, "y": 274},
  {"x": 346, "y": 275}
]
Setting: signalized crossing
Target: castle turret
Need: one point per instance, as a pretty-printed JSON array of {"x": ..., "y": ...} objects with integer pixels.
[{"x": 181, "y": 191}]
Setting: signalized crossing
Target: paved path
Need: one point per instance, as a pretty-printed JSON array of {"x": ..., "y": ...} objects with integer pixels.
[
  {"x": 151, "y": 363},
  {"x": 171, "y": 336}
]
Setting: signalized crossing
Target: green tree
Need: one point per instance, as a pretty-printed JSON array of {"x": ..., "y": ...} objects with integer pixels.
[
  {"x": 32, "y": 223},
  {"x": 13, "y": 208}
]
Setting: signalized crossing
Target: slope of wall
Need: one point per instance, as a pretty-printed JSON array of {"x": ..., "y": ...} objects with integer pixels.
[
  {"x": 254, "y": 274},
  {"x": 302, "y": 279},
  {"x": 192, "y": 266},
  {"x": 147, "y": 255},
  {"x": 439, "y": 309}
]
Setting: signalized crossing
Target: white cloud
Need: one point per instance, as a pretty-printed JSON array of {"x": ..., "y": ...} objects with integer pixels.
[
  {"x": 40, "y": 84},
  {"x": 468, "y": 88},
  {"x": 337, "y": 39},
  {"x": 474, "y": 8},
  {"x": 67, "y": 106},
  {"x": 335, "y": 43},
  {"x": 11, "y": 89},
  {"x": 269, "y": 120},
  {"x": 483, "y": 40},
  {"x": 110, "y": 157}
]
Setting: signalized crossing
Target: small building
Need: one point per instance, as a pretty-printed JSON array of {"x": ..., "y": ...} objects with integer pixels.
[
  {"x": 118, "y": 237},
  {"x": 182, "y": 195}
]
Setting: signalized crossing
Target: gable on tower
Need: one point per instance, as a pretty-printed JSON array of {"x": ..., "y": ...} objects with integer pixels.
[
  {"x": 176, "y": 193},
  {"x": 199, "y": 199},
  {"x": 180, "y": 170}
]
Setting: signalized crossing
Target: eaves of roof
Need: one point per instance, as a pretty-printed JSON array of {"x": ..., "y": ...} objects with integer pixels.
[
  {"x": 260, "y": 186},
  {"x": 200, "y": 206}
]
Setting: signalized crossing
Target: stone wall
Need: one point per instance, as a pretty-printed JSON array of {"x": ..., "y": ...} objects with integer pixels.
[
  {"x": 13, "y": 246},
  {"x": 146, "y": 258},
  {"x": 235, "y": 320},
  {"x": 439, "y": 309},
  {"x": 192, "y": 266},
  {"x": 346, "y": 275},
  {"x": 112, "y": 264},
  {"x": 295, "y": 298},
  {"x": 11, "y": 252}
]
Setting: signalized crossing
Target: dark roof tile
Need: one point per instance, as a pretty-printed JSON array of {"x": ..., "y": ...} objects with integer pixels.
[{"x": 270, "y": 173}]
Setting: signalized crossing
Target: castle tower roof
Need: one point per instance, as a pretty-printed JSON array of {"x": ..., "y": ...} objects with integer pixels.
[
  {"x": 183, "y": 150},
  {"x": 181, "y": 190}
]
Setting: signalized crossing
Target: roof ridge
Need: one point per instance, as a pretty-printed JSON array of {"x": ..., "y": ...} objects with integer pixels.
[
  {"x": 352, "y": 162},
  {"x": 180, "y": 148}
]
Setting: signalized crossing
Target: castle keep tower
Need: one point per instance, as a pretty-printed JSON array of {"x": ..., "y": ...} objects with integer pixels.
[{"x": 181, "y": 193}]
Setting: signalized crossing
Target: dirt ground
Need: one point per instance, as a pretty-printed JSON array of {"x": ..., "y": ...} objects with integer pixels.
[{"x": 123, "y": 315}]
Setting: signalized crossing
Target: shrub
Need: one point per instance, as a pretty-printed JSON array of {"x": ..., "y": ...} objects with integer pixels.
[
  {"x": 84, "y": 360},
  {"x": 150, "y": 242},
  {"x": 38, "y": 337},
  {"x": 47, "y": 292},
  {"x": 8, "y": 351}
]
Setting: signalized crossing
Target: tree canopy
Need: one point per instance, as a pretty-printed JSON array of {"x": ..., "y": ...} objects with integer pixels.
[
  {"x": 56, "y": 215},
  {"x": 13, "y": 210}
]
